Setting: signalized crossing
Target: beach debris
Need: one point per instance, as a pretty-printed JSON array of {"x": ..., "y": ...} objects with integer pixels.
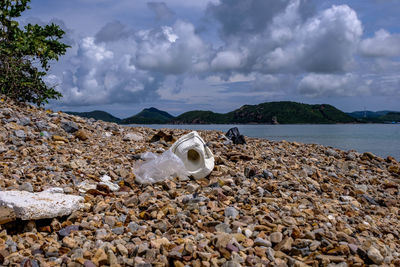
[
  {"x": 195, "y": 154},
  {"x": 41, "y": 205},
  {"x": 234, "y": 135},
  {"x": 157, "y": 168}
]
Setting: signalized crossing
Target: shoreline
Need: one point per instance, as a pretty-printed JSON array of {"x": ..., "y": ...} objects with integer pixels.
[{"x": 268, "y": 202}]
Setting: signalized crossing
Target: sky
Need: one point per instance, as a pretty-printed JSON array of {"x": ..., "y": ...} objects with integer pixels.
[{"x": 218, "y": 55}]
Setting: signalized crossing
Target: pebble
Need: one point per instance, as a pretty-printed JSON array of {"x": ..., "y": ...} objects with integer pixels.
[
  {"x": 26, "y": 187},
  {"x": 262, "y": 242},
  {"x": 266, "y": 203},
  {"x": 375, "y": 255},
  {"x": 276, "y": 237},
  {"x": 231, "y": 212}
]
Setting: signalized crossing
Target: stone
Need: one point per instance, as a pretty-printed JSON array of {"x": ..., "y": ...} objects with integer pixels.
[
  {"x": 69, "y": 126},
  {"x": 7, "y": 214},
  {"x": 42, "y": 205},
  {"x": 59, "y": 138},
  {"x": 262, "y": 242},
  {"x": 81, "y": 135},
  {"x": 106, "y": 180},
  {"x": 100, "y": 257},
  {"x": 122, "y": 250},
  {"x": 267, "y": 174},
  {"x": 231, "y": 212},
  {"x": 88, "y": 263},
  {"x": 331, "y": 152},
  {"x": 24, "y": 121},
  {"x": 132, "y": 137},
  {"x": 231, "y": 264},
  {"x": 112, "y": 259},
  {"x": 118, "y": 230},
  {"x": 26, "y": 187},
  {"x": 20, "y": 134},
  {"x": 375, "y": 255},
  {"x": 276, "y": 237},
  {"x": 69, "y": 242}
]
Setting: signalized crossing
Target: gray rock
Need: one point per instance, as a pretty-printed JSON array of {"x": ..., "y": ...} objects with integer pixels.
[
  {"x": 223, "y": 227},
  {"x": 270, "y": 254},
  {"x": 268, "y": 174},
  {"x": 331, "y": 152},
  {"x": 118, "y": 230},
  {"x": 231, "y": 264},
  {"x": 69, "y": 126},
  {"x": 231, "y": 212},
  {"x": 26, "y": 187},
  {"x": 42, "y": 125},
  {"x": 351, "y": 156},
  {"x": 262, "y": 242},
  {"x": 20, "y": 134},
  {"x": 24, "y": 121}
]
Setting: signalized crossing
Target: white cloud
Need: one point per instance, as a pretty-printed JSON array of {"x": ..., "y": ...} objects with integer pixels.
[
  {"x": 226, "y": 60},
  {"x": 383, "y": 44},
  {"x": 316, "y": 85},
  {"x": 171, "y": 50}
]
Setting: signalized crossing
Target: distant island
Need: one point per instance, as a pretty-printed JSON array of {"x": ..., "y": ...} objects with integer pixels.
[{"x": 283, "y": 112}]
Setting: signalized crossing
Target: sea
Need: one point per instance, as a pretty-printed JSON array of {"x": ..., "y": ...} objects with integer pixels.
[{"x": 380, "y": 139}]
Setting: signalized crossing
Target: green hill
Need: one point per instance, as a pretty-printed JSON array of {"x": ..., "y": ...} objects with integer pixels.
[
  {"x": 96, "y": 114},
  {"x": 368, "y": 114},
  {"x": 284, "y": 112},
  {"x": 391, "y": 117},
  {"x": 375, "y": 116},
  {"x": 149, "y": 116},
  {"x": 202, "y": 117}
]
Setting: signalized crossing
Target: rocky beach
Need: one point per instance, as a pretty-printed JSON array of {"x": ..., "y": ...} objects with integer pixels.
[{"x": 265, "y": 203}]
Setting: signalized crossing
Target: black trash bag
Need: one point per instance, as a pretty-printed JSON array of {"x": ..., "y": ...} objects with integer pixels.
[{"x": 234, "y": 135}]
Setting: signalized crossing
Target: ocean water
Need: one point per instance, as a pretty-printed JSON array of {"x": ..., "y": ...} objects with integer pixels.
[{"x": 380, "y": 139}]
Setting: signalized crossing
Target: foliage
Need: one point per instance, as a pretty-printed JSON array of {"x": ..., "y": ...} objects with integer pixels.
[
  {"x": 285, "y": 112},
  {"x": 25, "y": 55}
]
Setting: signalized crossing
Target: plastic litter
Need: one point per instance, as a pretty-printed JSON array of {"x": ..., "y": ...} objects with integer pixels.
[
  {"x": 234, "y": 135},
  {"x": 157, "y": 168},
  {"x": 196, "y": 156}
]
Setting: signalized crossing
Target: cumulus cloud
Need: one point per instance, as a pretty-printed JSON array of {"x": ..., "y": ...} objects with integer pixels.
[
  {"x": 112, "y": 31},
  {"x": 315, "y": 85},
  {"x": 98, "y": 75},
  {"x": 171, "y": 50},
  {"x": 161, "y": 10},
  {"x": 287, "y": 39},
  {"x": 279, "y": 46},
  {"x": 382, "y": 44}
]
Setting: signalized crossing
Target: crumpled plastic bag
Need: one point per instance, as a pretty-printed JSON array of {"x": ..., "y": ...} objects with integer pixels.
[
  {"x": 156, "y": 168},
  {"x": 234, "y": 135}
]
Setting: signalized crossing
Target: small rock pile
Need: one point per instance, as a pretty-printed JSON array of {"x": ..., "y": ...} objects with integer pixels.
[{"x": 265, "y": 203}]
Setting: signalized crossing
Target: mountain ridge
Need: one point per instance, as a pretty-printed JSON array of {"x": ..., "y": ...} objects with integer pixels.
[{"x": 282, "y": 112}]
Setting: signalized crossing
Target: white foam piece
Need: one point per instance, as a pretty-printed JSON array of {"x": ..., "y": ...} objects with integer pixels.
[{"x": 41, "y": 205}]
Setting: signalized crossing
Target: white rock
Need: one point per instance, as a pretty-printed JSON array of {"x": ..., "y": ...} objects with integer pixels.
[
  {"x": 106, "y": 180},
  {"x": 132, "y": 137},
  {"x": 85, "y": 186},
  {"x": 54, "y": 190},
  {"x": 34, "y": 206}
]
